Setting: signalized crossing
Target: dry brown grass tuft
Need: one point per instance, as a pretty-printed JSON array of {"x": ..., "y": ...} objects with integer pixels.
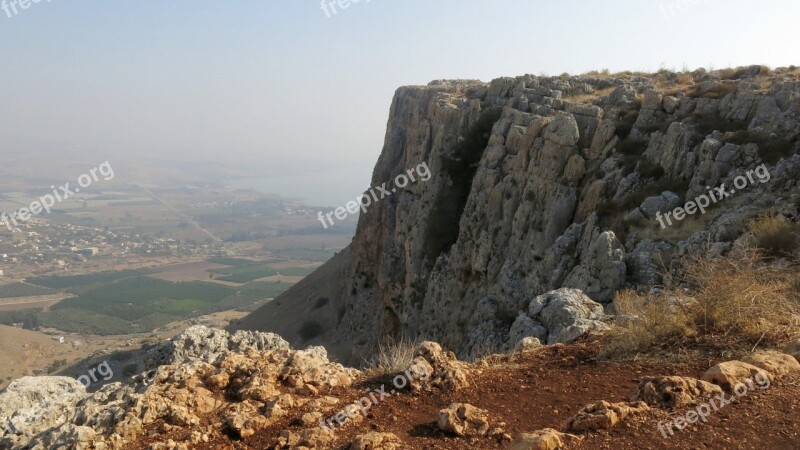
[
  {"x": 391, "y": 358},
  {"x": 733, "y": 302},
  {"x": 775, "y": 237},
  {"x": 645, "y": 320}
]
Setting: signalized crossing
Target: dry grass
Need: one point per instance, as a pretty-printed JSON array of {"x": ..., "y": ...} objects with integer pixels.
[
  {"x": 728, "y": 302},
  {"x": 391, "y": 358},
  {"x": 645, "y": 320},
  {"x": 775, "y": 237}
]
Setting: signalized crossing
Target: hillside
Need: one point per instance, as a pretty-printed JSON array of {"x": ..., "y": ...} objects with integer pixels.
[{"x": 540, "y": 183}]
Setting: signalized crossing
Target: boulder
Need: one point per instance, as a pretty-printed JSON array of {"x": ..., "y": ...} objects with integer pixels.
[
  {"x": 775, "y": 363},
  {"x": 729, "y": 374},
  {"x": 568, "y": 314},
  {"x": 463, "y": 420},
  {"x": 527, "y": 344},
  {"x": 435, "y": 369},
  {"x": 603, "y": 415},
  {"x": 377, "y": 441},
  {"x": 672, "y": 391},
  {"x": 546, "y": 439},
  {"x": 793, "y": 349}
]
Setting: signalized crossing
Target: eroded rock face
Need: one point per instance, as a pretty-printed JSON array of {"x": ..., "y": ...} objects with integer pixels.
[
  {"x": 31, "y": 405},
  {"x": 673, "y": 391},
  {"x": 526, "y": 192}
]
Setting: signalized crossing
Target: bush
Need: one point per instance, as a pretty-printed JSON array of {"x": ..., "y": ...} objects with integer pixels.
[
  {"x": 644, "y": 320},
  {"x": 739, "y": 300},
  {"x": 775, "y": 237},
  {"x": 770, "y": 149},
  {"x": 391, "y": 358},
  {"x": 309, "y": 330},
  {"x": 740, "y": 295}
]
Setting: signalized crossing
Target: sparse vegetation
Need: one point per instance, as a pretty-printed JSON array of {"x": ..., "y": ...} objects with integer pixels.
[
  {"x": 775, "y": 237},
  {"x": 391, "y": 358},
  {"x": 739, "y": 302}
]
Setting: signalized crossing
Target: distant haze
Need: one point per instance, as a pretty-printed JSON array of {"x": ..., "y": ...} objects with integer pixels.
[{"x": 280, "y": 89}]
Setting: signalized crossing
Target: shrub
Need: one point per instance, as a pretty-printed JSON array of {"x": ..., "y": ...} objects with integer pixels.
[
  {"x": 719, "y": 91},
  {"x": 707, "y": 123},
  {"x": 649, "y": 169},
  {"x": 391, "y": 358},
  {"x": 770, "y": 149},
  {"x": 627, "y": 117},
  {"x": 309, "y": 330},
  {"x": 739, "y": 300},
  {"x": 644, "y": 320},
  {"x": 740, "y": 295},
  {"x": 775, "y": 237}
]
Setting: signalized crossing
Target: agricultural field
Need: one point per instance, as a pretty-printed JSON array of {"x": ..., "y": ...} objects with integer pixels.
[
  {"x": 139, "y": 301},
  {"x": 22, "y": 290}
]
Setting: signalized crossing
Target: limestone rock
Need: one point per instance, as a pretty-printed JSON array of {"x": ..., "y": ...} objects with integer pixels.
[
  {"x": 793, "y": 349},
  {"x": 527, "y": 344},
  {"x": 729, "y": 374},
  {"x": 463, "y": 420},
  {"x": 435, "y": 369},
  {"x": 546, "y": 439},
  {"x": 776, "y": 363},
  {"x": 31, "y": 405},
  {"x": 603, "y": 415},
  {"x": 377, "y": 441},
  {"x": 673, "y": 391},
  {"x": 568, "y": 314}
]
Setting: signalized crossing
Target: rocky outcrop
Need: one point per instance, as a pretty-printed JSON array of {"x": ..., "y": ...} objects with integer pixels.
[
  {"x": 243, "y": 391},
  {"x": 534, "y": 189},
  {"x": 31, "y": 405},
  {"x": 673, "y": 392},
  {"x": 200, "y": 343}
]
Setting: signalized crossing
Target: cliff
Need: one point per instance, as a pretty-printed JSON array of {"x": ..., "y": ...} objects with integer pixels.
[{"x": 540, "y": 183}]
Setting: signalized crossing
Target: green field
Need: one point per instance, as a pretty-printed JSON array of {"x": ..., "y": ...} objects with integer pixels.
[
  {"x": 297, "y": 271},
  {"x": 67, "y": 282},
  {"x": 245, "y": 273},
  {"x": 129, "y": 302},
  {"x": 22, "y": 290}
]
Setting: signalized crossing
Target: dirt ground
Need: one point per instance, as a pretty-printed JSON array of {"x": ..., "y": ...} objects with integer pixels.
[{"x": 539, "y": 390}]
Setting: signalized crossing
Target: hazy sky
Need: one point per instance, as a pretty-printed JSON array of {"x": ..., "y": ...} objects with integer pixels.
[{"x": 302, "y": 98}]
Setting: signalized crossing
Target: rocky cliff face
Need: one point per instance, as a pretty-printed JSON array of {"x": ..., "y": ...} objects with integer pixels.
[{"x": 543, "y": 183}]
